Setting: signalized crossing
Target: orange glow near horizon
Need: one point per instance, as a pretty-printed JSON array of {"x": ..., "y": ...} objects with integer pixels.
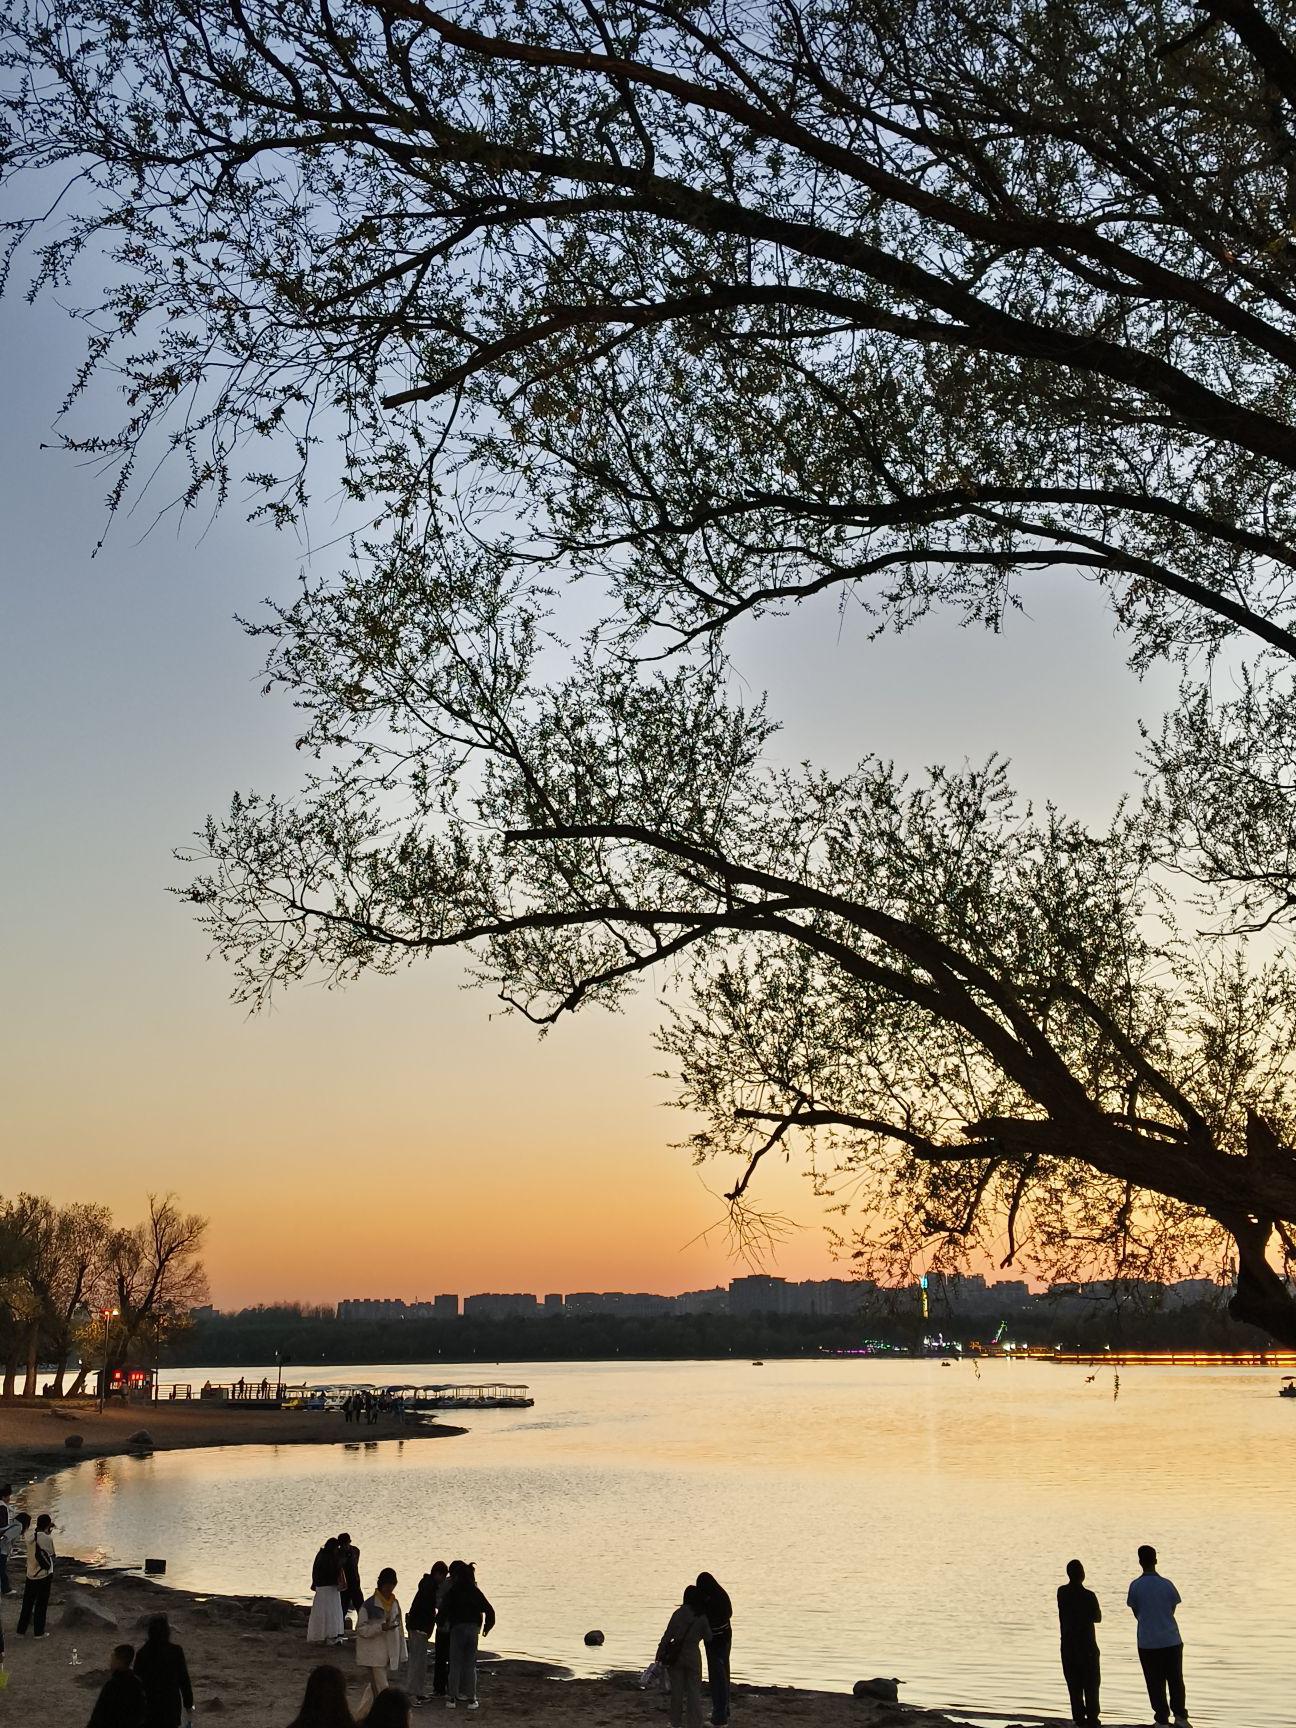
[{"x": 398, "y": 1139}]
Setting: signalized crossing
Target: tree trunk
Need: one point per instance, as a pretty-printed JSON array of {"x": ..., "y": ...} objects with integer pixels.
[
  {"x": 60, "y": 1370},
  {"x": 11, "y": 1372},
  {"x": 80, "y": 1381},
  {"x": 33, "y": 1351}
]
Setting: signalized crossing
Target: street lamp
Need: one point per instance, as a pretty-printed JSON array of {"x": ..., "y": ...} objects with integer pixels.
[{"x": 107, "y": 1315}]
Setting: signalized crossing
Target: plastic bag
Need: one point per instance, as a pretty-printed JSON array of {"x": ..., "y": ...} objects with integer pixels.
[{"x": 651, "y": 1676}]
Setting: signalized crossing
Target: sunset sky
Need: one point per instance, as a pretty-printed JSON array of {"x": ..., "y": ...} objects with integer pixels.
[{"x": 397, "y": 1138}]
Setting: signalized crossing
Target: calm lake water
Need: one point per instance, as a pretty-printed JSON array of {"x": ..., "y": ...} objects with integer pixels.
[{"x": 868, "y": 1517}]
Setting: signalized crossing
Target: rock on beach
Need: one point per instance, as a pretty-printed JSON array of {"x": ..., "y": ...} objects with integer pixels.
[
  {"x": 81, "y": 1612},
  {"x": 886, "y": 1690}
]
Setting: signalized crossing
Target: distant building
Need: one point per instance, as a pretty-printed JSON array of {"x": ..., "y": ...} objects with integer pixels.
[
  {"x": 384, "y": 1308},
  {"x": 762, "y": 1294},
  {"x": 833, "y": 1296},
  {"x": 638, "y": 1305},
  {"x": 758, "y": 1294},
  {"x": 445, "y": 1307},
  {"x": 715, "y": 1301},
  {"x": 372, "y": 1308},
  {"x": 491, "y": 1306},
  {"x": 1192, "y": 1290},
  {"x": 552, "y": 1304}
]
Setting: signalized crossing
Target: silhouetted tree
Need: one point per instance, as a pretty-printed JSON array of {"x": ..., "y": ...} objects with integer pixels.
[
  {"x": 155, "y": 1273},
  {"x": 64, "y": 1274},
  {"x": 722, "y": 308},
  {"x": 16, "y": 1306}
]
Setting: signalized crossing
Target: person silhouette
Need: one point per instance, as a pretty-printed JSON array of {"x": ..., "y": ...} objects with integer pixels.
[
  {"x": 1152, "y": 1600},
  {"x": 1078, "y": 1614}
]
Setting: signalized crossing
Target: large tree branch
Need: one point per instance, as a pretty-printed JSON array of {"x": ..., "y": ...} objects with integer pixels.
[{"x": 1008, "y": 225}]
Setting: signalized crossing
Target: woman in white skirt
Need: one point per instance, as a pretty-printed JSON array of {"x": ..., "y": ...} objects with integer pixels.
[
  {"x": 379, "y": 1639},
  {"x": 325, "y": 1625}
]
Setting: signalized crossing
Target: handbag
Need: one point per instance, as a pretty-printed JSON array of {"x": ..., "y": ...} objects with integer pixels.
[{"x": 670, "y": 1649}]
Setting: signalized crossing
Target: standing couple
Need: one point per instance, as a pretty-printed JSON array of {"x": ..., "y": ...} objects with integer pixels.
[
  {"x": 704, "y": 1617},
  {"x": 335, "y": 1583},
  {"x": 1152, "y": 1600},
  {"x": 450, "y": 1610}
]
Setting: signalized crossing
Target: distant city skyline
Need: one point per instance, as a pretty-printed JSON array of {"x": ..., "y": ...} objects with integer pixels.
[{"x": 758, "y": 1293}]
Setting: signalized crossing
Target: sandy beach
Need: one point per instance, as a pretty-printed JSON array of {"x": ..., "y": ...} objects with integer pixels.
[
  {"x": 37, "y": 1430},
  {"x": 249, "y": 1660}
]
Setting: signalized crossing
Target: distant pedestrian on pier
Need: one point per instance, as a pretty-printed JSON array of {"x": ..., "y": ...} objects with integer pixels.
[
  {"x": 466, "y": 1615},
  {"x": 719, "y": 1644},
  {"x": 1078, "y": 1614},
  {"x": 164, "y": 1673},
  {"x": 324, "y": 1703},
  {"x": 1152, "y": 1600},
  {"x": 121, "y": 1702}
]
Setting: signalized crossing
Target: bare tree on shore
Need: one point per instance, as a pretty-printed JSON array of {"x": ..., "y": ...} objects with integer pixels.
[
  {"x": 155, "y": 1274},
  {"x": 715, "y": 310},
  {"x": 63, "y": 1267}
]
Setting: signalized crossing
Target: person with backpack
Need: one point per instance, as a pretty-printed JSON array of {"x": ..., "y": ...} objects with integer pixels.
[
  {"x": 466, "y": 1614},
  {"x": 680, "y": 1653},
  {"x": 40, "y": 1576}
]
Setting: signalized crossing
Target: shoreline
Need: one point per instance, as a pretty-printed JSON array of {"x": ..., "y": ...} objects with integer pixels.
[
  {"x": 36, "y": 1430},
  {"x": 249, "y": 1661},
  {"x": 248, "y": 1654}
]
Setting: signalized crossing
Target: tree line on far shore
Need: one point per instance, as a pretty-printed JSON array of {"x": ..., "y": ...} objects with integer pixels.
[
  {"x": 75, "y": 1286},
  {"x": 305, "y": 1338}
]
